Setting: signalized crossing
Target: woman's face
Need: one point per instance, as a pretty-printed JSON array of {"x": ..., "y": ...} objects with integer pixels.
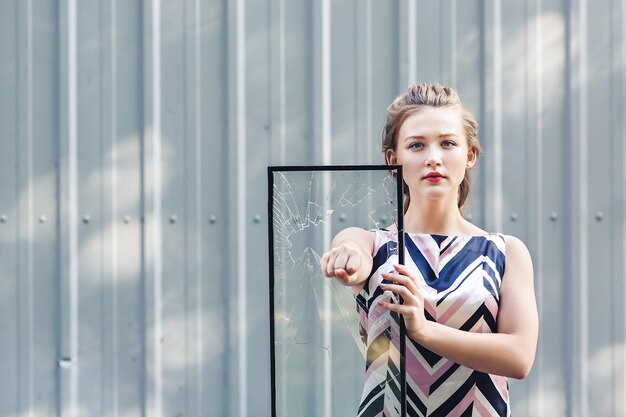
[{"x": 433, "y": 152}]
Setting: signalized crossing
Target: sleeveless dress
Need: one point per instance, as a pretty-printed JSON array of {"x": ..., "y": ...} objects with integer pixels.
[{"x": 460, "y": 278}]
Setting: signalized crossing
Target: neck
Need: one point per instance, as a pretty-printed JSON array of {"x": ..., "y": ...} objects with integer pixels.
[{"x": 434, "y": 217}]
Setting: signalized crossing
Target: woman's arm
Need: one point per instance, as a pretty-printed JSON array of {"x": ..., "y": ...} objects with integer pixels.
[
  {"x": 350, "y": 259},
  {"x": 509, "y": 352}
]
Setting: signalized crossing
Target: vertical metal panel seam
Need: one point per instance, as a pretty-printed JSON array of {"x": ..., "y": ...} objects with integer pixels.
[
  {"x": 453, "y": 45},
  {"x": 440, "y": 51},
  {"x": 156, "y": 223},
  {"x": 326, "y": 160},
  {"x": 623, "y": 218},
  {"x": 144, "y": 106},
  {"x": 412, "y": 42},
  {"x": 568, "y": 200},
  {"x": 617, "y": 206},
  {"x": 326, "y": 83},
  {"x": 31, "y": 210},
  {"x": 368, "y": 78},
  {"x": 497, "y": 114},
  {"x": 199, "y": 211},
  {"x": 114, "y": 205},
  {"x": 241, "y": 206},
  {"x": 73, "y": 207},
  {"x": 282, "y": 83},
  {"x": 482, "y": 62},
  {"x": 24, "y": 374},
  {"x": 539, "y": 188},
  {"x": 584, "y": 209}
]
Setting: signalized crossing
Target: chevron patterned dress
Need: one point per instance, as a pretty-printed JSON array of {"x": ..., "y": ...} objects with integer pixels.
[{"x": 460, "y": 277}]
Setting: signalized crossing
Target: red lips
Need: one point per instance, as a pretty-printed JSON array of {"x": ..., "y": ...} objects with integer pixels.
[{"x": 434, "y": 176}]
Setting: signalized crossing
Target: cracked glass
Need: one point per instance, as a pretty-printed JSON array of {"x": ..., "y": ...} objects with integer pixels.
[{"x": 319, "y": 347}]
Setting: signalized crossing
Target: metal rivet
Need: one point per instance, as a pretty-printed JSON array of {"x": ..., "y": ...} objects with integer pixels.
[
  {"x": 553, "y": 216},
  {"x": 599, "y": 216},
  {"x": 384, "y": 218},
  {"x": 343, "y": 217},
  {"x": 3, "y": 218},
  {"x": 212, "y": 219},
  {"x": 257, "y": 218},
  {"x": 65, "y": 363},
  {"x": 514, "y": 217},
  {"x": 173, "y": 218},
  {"x": 42, "y": 218},
  {"x": 86, "y": 218},
  {"x": 127, "y": 219}
]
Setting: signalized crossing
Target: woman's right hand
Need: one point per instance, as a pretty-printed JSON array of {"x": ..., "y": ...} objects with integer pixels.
[
  {"x": 350, "y": 259},
  {"x": 343, "y": 262}
]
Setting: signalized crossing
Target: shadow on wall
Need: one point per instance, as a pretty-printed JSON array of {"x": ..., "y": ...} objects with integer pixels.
[{"x": 110, "y": 285}]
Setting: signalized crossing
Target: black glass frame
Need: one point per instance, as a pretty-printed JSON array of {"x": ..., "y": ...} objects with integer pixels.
[{"x": 271, "y": 171}]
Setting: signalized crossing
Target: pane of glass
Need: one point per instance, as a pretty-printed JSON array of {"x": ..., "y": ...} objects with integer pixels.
[{"x": 320, "y": 334}]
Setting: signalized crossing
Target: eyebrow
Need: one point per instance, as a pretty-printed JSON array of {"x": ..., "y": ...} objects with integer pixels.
[{"x": 443, "y": 135}]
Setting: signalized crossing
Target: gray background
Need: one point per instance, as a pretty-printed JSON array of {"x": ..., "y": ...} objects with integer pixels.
[{"x": 134, "y": 140}]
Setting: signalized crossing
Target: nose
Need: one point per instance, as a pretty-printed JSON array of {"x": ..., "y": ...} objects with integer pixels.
[{"x": 434, "y": 157}]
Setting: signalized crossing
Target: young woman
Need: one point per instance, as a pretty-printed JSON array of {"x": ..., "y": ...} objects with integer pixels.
[{"x": 468, "y": 300}]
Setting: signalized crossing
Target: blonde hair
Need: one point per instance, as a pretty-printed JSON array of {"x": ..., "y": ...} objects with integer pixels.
[{"x": 416, "y": 97}]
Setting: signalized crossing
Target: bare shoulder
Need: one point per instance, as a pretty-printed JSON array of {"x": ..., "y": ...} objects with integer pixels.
[
  {"x": 518, "y": 257},
  {"x": 515, "y": 246}
]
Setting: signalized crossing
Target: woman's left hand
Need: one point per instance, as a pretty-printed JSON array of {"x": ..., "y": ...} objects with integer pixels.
[{"x": 412, "y": 307}]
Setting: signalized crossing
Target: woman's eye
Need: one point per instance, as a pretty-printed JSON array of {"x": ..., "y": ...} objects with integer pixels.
[
  {"x": 416, "y": 145},
  {"x": 448, "y": 144}
]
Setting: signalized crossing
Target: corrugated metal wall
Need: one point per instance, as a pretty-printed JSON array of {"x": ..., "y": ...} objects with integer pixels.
[{"x": 135, "y": 137}]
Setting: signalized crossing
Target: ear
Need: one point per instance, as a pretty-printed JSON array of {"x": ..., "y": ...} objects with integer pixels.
[
  {"x": 471, "y": 159},
  {"x": 390, "y": 157}
]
